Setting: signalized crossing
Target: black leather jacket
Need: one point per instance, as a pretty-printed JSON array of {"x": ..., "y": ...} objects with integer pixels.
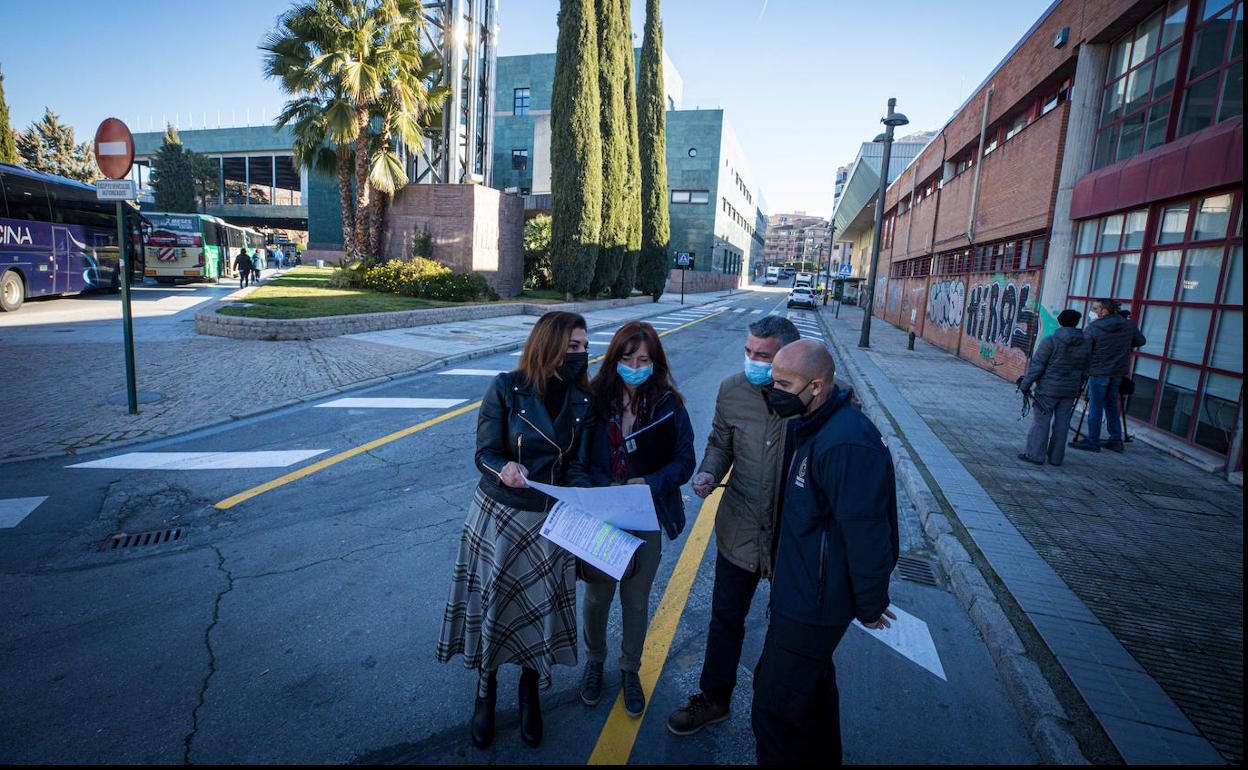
[{"x": 514, "y": 426}]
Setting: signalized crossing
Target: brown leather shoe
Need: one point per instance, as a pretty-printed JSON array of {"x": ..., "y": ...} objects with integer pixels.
[{"x": 699, "y": 712}]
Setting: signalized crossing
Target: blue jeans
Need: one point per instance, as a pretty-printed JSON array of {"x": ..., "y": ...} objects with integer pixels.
[{"x": 1103, "y": 398}]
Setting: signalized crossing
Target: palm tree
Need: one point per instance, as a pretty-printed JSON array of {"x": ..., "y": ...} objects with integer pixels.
[{"x": 352, "y": 66}]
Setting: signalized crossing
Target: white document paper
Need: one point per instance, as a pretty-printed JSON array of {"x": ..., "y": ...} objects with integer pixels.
[
  {"x": 606, "y": 547},
  {"x": 911, "y": 637},
  {"x": 628, "y": 506}
]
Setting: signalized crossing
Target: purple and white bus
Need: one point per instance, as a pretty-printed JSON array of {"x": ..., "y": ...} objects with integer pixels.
[{"x": 56, "y": 238}]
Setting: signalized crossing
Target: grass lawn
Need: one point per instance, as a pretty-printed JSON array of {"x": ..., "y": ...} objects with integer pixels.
[
  {"x": 540, "y": 296},
  {"x": 304, "y": 292}
]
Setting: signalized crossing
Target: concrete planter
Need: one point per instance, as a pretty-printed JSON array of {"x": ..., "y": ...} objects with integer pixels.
[{"x": 211, "y": 322}]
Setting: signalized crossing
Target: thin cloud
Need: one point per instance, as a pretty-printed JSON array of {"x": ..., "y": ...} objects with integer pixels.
[{"x": 764, "y": 10}]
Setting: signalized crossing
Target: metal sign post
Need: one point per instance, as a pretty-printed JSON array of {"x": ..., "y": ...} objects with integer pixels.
[
  {"x": 114, "y": 154},
  {"x": 683, "y": 261}
]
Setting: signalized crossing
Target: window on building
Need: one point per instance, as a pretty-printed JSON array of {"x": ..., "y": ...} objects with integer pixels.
[
  {"x": 260, "y": 180},
  {"x": 234, "y": 186},
  {"x": 520, "y": 159},
  {"x": 680, "y": 196},
  {"x": 287, "y": 182},
  {"x": 699, "y": 196},
  {"x": 1215, "y": 71},
  {"x": 520, "y": 102},
  {"x": 1185, "y": 290},
  {"x": 1147, "y": 100}
]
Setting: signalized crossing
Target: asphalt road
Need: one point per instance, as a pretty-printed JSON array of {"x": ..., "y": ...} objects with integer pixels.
[{"x": 296, "y": 621}]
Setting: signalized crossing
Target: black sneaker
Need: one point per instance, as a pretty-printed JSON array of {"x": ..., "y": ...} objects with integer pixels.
[
  {"x": 591, "y": 683},
  {"x": 1115, "y": 446},
  {"x": 699, "y": 712},
  {"x": 634, "y": 696},
  {"x": 1086, "y": 446},
  {"x": 1023, "y": 456}
]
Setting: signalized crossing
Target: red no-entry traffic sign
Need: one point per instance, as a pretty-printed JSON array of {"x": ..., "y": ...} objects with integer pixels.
[{"x": 114, "y": 148}]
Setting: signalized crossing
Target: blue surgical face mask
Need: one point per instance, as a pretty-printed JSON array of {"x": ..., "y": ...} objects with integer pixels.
[
  {"x": 633, "y": 376},
  {"x": 757, "y": 372}
]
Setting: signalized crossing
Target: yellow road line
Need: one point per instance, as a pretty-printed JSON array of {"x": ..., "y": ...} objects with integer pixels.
[
  {"x": 615, "y": 743},
  {"x": 320, "y": 465}
]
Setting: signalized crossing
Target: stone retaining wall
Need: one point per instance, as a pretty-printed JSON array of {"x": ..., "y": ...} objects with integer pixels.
[
  {"x": 700, "y": 281},
  {"x": 239, "y": 327}
]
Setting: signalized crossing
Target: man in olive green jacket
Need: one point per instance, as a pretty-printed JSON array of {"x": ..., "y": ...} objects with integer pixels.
[{"x": 747, "y": 438}]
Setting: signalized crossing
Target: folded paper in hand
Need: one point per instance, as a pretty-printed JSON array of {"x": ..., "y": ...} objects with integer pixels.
[
  {"x": 628, "y": 506},
  {"x": 606, "y": 547}
]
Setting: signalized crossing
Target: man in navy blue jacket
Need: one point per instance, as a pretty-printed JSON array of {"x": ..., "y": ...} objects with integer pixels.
[{"x": 837, "y": 548}]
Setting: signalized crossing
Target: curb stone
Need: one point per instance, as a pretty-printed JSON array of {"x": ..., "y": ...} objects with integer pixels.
[
  {"x": 433, "y": 365},
  {"x": 1046, "y": 721}
]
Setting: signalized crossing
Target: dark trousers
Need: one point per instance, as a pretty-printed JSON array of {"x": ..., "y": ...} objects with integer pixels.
[
  {"x": 730, "y": 604},
  {"x": 796, "y": 712},
  {"x": 243, "y": 275},
  {"x": 1050, "y": 422},
  {"x": 1103, "y": 399}
]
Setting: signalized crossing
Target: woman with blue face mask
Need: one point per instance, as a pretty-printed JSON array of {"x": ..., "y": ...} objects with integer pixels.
[{"x": 642, "y": 435}]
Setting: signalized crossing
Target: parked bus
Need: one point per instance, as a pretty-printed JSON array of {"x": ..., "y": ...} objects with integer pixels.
[
  {"x": 57, "y": 238},
  {"x": 186, "y": 247}
]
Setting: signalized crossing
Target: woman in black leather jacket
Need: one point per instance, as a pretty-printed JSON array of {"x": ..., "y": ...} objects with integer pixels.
[{"x": 513, "y": 592}]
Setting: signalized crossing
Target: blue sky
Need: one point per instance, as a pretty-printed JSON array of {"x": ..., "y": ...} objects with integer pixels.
[{"x": 804, "y": 81}]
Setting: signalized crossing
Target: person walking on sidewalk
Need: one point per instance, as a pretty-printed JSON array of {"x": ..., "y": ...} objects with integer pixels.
[
  {"x": 1053, "y": 381},
  {"x": 513, "y": 592},
  {"x": 838, "y": 546},
  {"x": 242, "y": 263},
  {"x": 746, "y": 437},
  {"x": 1112, "y": 337},
  {"x": 642, "y": 436}
]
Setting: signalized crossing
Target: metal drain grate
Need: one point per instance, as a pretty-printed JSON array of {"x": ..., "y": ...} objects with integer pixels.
[
  {"x": 158, "y": 537},
  {"x": 916, "y": 570}
]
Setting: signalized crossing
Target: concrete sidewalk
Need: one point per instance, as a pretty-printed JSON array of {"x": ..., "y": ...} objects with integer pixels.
[
  {"x": 63, "y": 387},
  {"x": 1127, "y": 569}
]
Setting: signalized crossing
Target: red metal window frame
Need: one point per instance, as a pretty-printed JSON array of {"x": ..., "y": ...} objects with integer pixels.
[
  {"x": 1139, "y": 301},
  {"x": 1221, "y": 72}
]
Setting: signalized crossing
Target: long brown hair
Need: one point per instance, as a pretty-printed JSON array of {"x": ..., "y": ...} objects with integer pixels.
[
  {"x": 607, "y": 387},
  {"x": 547, "y": 344}
]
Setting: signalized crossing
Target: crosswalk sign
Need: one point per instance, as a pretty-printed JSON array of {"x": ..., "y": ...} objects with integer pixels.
[
  {"x": 845, "y": 271},
  {"x": 683, "y": 259}
]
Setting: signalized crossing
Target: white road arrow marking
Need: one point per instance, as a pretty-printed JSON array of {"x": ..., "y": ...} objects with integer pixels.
[
  {"x": 909, "y": 636},
  {"x": 14, "y": 510},
  {"x": 473, "y": 372}
]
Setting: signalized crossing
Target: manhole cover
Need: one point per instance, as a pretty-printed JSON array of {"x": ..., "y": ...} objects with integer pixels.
[
  {"x": 916, "y": 570},
  {"x": 144, "y": 396},
  {"x": 123, "y": 541}
]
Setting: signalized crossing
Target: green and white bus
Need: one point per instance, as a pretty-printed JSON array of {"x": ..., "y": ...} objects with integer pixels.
[{"x": 186, "y": 247}]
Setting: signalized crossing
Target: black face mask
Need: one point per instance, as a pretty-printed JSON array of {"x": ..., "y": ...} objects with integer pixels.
[
  {"x": 573, "y": 366},
  {"x": 782, "y": 403}
]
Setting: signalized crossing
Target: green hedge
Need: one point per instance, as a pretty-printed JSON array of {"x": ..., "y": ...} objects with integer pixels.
[{"x": 428, "y": 279}]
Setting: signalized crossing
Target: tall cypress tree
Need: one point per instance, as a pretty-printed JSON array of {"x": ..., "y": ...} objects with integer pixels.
[
  {"x": 8, "y": 144},
  {"x": 656, "y": 228},
  {"x": 575, "y": 150},
  {"x": 172, "y": 179},
  {"x": 613, "y": 49},
  {"x": 627, "y": 277}
]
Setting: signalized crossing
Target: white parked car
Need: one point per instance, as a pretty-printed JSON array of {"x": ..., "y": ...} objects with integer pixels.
[{"x": 802, "y": 295}]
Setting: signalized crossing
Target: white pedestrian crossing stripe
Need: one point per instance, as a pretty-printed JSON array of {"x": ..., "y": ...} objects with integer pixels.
[
  {"x": 392, "y": 403},
  {"x": 755, "y": 312},
  {"x": 472, "y": 372},
  {"x": 202, "y": 461},
  {"x": 739, "y": 309},
  {"x": 15, "y": 509}
]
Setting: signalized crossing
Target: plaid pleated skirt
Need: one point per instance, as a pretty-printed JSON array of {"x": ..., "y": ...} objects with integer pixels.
[{"x": 513, "y": 594}]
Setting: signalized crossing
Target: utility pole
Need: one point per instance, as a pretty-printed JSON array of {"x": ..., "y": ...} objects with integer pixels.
[{"x": 890, "y": 121}]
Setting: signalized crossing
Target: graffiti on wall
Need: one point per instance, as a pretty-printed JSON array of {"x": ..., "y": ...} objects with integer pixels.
[
  {"x": 894, "y": 298},
  {"x": 999, "y": 316},
  {"x": 944, "y": 306},
  {"x": 880, "y": 283}
]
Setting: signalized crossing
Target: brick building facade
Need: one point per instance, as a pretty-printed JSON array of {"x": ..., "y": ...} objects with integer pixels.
[{"x": 1103, "y": 157}]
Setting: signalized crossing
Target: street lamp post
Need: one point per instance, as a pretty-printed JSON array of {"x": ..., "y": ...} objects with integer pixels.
[
  {"x": 827, "y": 281},
  {"x": 890, "y": 121}
]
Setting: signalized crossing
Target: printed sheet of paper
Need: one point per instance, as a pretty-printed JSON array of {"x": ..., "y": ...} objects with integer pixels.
[
  {"x": 628, "y": 506},
  {"x": 606, "y": 547}
]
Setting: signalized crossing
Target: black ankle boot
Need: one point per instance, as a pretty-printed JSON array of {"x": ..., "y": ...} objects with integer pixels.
[
  {"x": 482, "y": 723},
  {"x": 530, "y": 709}
]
